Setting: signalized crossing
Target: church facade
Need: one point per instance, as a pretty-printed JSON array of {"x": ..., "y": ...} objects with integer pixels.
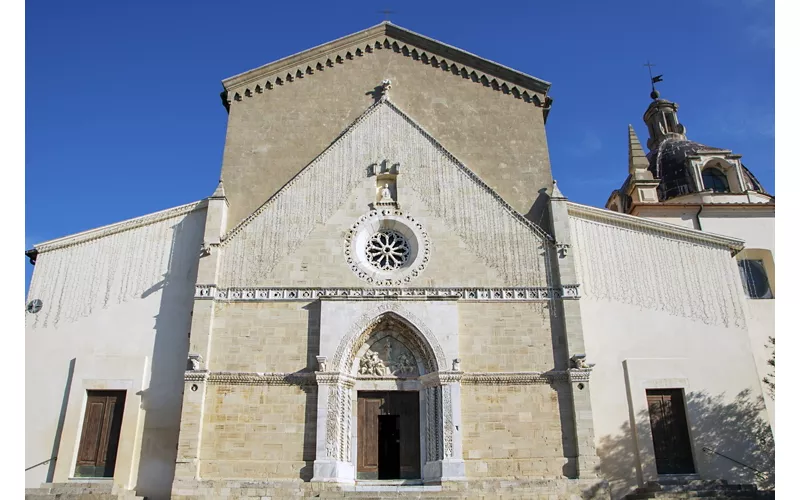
[{"x": 388, "y": 291}]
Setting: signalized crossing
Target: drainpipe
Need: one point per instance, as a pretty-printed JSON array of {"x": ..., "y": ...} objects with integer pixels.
[{"x": 697, "y": 216}]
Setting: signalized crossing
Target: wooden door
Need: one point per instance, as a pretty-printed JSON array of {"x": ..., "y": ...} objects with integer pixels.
[
  {"x": 369, "y": 409},
  {"x": 372, "y": 438},
  {"x": 97, "y": 452},
  {"x": 671, "y": 442}
]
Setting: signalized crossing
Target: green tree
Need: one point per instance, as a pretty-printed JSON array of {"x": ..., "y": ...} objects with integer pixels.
[{"x": 769, "y": 380}]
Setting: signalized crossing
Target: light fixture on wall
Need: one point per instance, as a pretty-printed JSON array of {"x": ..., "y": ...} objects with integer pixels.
[{"x": 34, "y": 306}]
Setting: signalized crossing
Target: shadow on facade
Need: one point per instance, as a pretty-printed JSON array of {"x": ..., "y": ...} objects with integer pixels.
[
  {"x": 539, "y": 212},
  {"x": 734, "y": 428},
  {"x": 161, "y": 401},
  {"x": 51, "y": 469},
  {"x": 310, "y": 424}
]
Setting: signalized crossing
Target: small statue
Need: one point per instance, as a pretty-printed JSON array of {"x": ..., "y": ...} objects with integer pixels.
[
  {"x": 322, "y": 362},
  {"x": 386, "y": 194},
  {"x": 457, "y": 365},
  {"x": 371, "y": 364},
  {"x": 404, "y": 365},
  {"x": 194, "y": 362},
  {"x": 579, "y": 362}
]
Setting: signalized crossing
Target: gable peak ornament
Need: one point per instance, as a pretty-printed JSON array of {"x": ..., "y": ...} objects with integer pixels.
[{"x": 384, "y": 88}]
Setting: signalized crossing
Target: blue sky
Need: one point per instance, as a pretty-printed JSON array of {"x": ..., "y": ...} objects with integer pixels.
[{"x": 123, "y": 115}]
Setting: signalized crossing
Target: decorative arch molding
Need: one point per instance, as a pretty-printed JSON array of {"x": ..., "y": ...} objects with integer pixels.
[{"x": 421, "y": 338}]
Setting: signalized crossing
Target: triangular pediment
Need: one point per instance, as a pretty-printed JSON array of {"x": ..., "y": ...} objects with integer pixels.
[
  {"x": 388, "y": 37},
  {"x": 447, "y": 191}
]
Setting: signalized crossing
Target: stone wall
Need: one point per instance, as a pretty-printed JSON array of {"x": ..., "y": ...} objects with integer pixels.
[
  {"x": 259, "y": 431},
  {"x": 279, "y": 337},
  {"x": 512, "y": 431},
  {"x": 272, "y": 135},
  {"x": 505, "y": 337}
]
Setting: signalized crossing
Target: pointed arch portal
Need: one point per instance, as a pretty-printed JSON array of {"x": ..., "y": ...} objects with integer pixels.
[{"x": 387, "y": 411}]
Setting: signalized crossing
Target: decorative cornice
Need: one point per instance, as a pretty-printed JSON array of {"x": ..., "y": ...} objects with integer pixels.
[
  {"x": 428, "y": 380},
  {"x": 441, "y": 378},
  {"x": 525, "y": 378},
  {"x": 195, "y": 376},
  {"x": 250, "y": 378},
  {"x": 386, "y": 36},
  {"x": 335, "y": 378},
  {"x": 668, "y": 230},
  {"x": 118, "y": 227},
  {"x": 499, "y": 294}
]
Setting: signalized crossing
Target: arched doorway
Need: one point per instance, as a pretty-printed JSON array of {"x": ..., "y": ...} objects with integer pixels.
[
  {"x": 387, "y": 370},
  {"x": 387, "y": 436}
]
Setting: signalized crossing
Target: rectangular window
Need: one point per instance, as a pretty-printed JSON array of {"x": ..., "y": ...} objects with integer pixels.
[
  {"x": 671, "y": 441},
  {"x": 754, "y": 279},
  {"x": 97, "y": 452}
]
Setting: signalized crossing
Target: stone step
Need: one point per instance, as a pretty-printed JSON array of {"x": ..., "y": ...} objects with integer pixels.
[
  {"x": 675, "y": 495},
  {"x": 79, "y": 491}
]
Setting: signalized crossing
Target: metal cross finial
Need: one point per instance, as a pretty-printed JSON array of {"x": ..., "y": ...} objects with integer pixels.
[
  {"x": 653, "y": 80},
  {"x": 386, "y": 13}
]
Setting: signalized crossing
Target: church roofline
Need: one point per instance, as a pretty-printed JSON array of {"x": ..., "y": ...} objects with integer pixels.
[
  {"x": 117, "y": 227},
  {"x": 671, "y": 230},
  {"x": 302, "y": 59}
]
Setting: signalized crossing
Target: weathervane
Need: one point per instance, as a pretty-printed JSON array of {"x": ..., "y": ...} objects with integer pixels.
[{"x": 653, "y": 80}]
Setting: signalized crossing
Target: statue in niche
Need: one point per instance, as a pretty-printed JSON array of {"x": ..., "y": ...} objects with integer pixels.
[{"x": 386, "y": 194}]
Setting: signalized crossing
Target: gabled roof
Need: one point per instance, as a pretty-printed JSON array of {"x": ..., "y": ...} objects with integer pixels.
[
  {"x": 117, "y": 227},
  {"x": 297, "y": 64}
]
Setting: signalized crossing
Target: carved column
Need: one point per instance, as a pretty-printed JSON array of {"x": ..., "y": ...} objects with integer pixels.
[
  {"x": 444, "y": 456},
  {"x": 334, "y": 427},
  {"x": 572, "y": 329},
  {"x": 189, "y": 441}
]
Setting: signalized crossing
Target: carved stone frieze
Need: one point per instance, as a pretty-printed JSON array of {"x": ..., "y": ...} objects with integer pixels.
[
  {"x": 388, "y": 357},
  {"x": 523, "y": 378},
  {"x": 447, "y": 411},
  {"x": 500, "y": 294},
  {"x": 429, "y": 380}
]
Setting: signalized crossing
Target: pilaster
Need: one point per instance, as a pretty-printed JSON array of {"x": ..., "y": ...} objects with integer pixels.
[
  {"x": 444, "y": 453},
  {"x": 195, "y": 378},
  {"x": 572, "y": 328},
  {"x": 335, "y": 411}
]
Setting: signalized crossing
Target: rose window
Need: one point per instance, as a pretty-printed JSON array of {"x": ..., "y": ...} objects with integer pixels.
[{"x": 388, "y": 250}]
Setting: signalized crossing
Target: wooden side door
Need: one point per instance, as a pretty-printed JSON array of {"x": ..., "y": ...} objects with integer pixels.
[
  {"x": 97, "y": 451},
  {"x": 671, "y": 442},
  {"x": 369, "y": 408}
]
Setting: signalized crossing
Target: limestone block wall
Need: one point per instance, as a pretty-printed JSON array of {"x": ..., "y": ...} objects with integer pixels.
[
  {"x": 513, "y": 431},
  {"x": 278, "y": 337},
  {"x": 257, "y": 431},
  {"x": 274, "y": 134},
  {"x": 115, "y": 315},
  {"x": 505, "y": 337}
]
